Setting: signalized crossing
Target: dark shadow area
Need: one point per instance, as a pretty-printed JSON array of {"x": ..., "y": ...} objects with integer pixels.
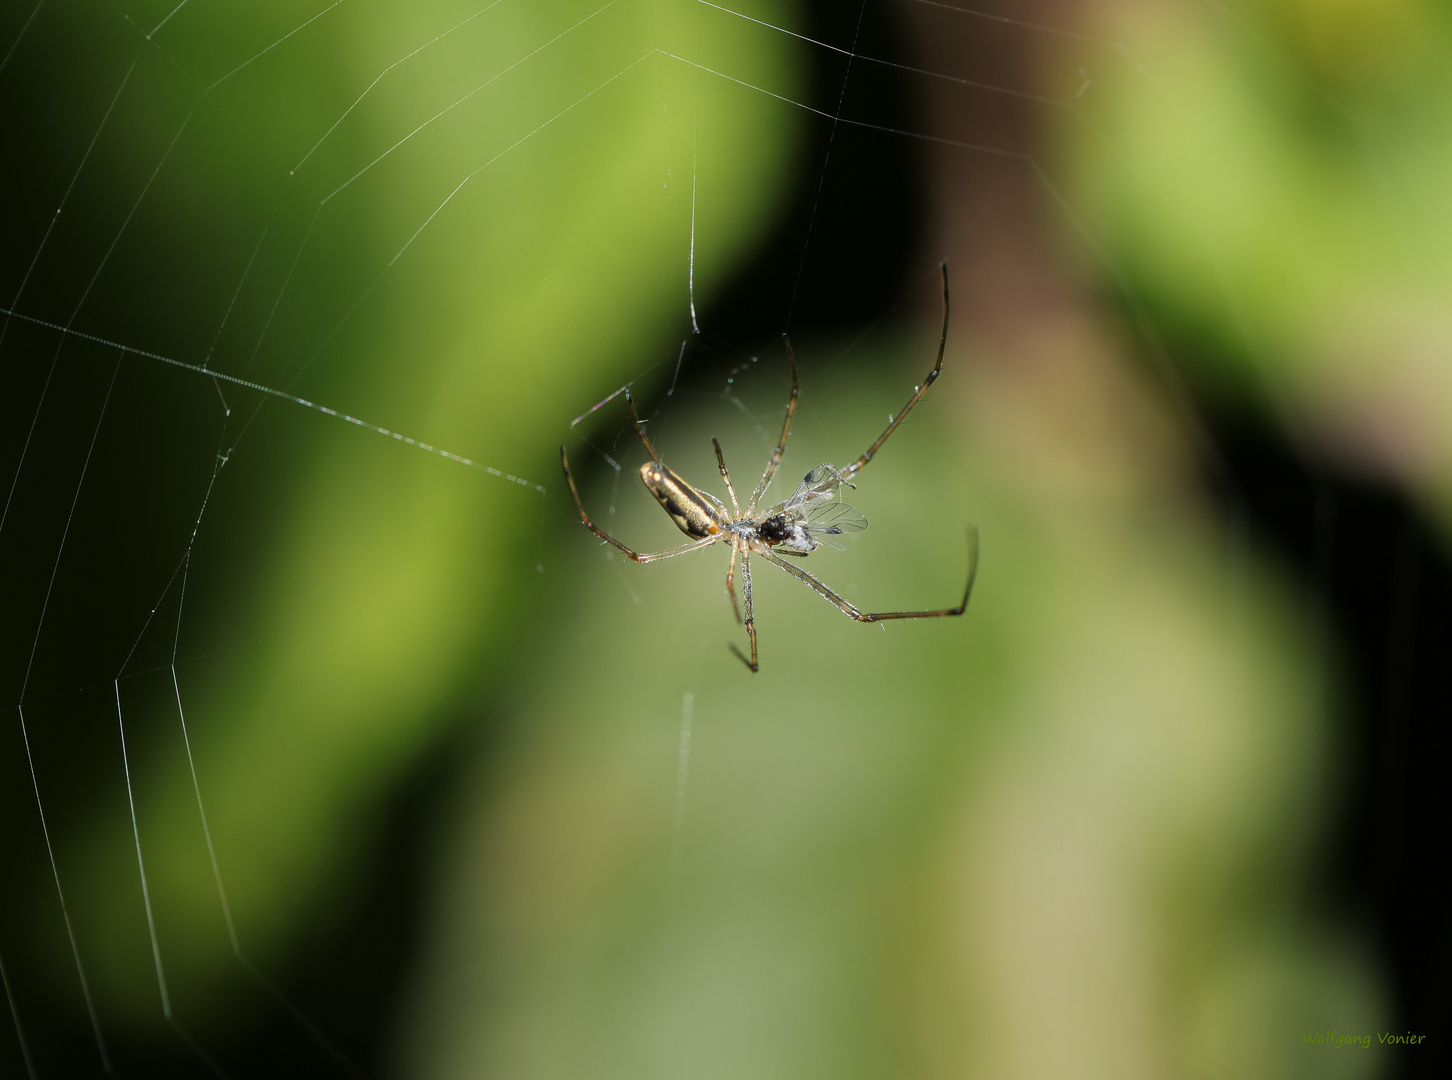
[
  {"x": 837, "y": 259},
  {"x": 1372, "y": 565}
]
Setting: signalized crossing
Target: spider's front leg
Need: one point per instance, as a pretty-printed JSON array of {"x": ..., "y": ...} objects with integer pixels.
[
  {"x": 786, "y": 428},
  {"x": 852, "y": 470}
]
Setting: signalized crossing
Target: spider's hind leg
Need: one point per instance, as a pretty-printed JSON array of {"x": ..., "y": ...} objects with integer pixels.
[
  {"x": 853, "y": 612},
  {"x": 633, "y": 556},
  {"x": 640, "y": 426},
  {"x": 731, "y": 584},
  {"x": 750, "y": 618}
]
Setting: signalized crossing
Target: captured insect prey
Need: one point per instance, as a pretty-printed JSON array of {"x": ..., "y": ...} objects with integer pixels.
[{"x": 795, "y": 527}]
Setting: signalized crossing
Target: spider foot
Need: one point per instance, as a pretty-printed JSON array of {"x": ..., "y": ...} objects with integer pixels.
[{"x": 742, "y": 656}]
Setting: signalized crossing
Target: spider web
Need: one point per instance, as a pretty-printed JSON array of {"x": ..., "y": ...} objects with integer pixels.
[{"x": 298, "y": 301}]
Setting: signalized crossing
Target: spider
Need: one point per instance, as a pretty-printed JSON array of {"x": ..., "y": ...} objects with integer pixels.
[{"x": 788, "y": 528}]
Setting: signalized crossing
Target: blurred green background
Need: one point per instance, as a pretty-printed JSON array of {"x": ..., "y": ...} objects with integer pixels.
[{"x": 425, "y": 782}]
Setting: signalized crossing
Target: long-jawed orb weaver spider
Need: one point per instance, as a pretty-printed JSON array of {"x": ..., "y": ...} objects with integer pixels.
[{"x": 788, "y": 528}]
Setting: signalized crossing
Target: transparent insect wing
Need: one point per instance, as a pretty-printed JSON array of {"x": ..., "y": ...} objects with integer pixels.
[
  {"x": 834, "y": 518},
  {"x": 819, "y": 487}
]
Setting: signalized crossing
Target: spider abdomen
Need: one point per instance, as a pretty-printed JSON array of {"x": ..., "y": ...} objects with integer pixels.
[{"x": 692, "y": 514}]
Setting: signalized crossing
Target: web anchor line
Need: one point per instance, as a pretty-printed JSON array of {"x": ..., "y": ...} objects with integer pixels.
[
  {"x": 95, "y": 1018},
  {"x": 368, "y": 89},
  {"x": 35, "y": 259},
  {"x": 330, "y": 1047},
  {"x": 471, "y": 93},
  {"x": 15, "y": 1017},
  {"x": 140, "y": 865},
  {"x": 260, "y": 388},
  {"x": 852, "y": 55},
  {"x": 166, "y": 1009},
  {"x": 299, "y": 1017}
]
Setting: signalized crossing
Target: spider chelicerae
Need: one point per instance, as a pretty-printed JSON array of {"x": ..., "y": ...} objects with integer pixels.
[{"x": 787, "y": 528}]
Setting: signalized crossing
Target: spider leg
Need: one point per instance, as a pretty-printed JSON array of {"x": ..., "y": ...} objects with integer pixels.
[
  {"x": 730, "y": 583},
  {"x": 640, "y": 425},
  {"x": 750, "y": 619},
  {"x": 721, "y": 461},
  {"x": 717, "y": 503},
  {"x": 879, "y": 616},
  {"x": 634, "y": 556},
  {"x": 918, "y": 392},
  {"x": 786, "y": 427}
]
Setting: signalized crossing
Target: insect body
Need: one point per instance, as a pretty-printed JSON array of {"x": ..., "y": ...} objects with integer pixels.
[
  {"x": 812, "y": 511},
  {"x": 790, "y": 528}
]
